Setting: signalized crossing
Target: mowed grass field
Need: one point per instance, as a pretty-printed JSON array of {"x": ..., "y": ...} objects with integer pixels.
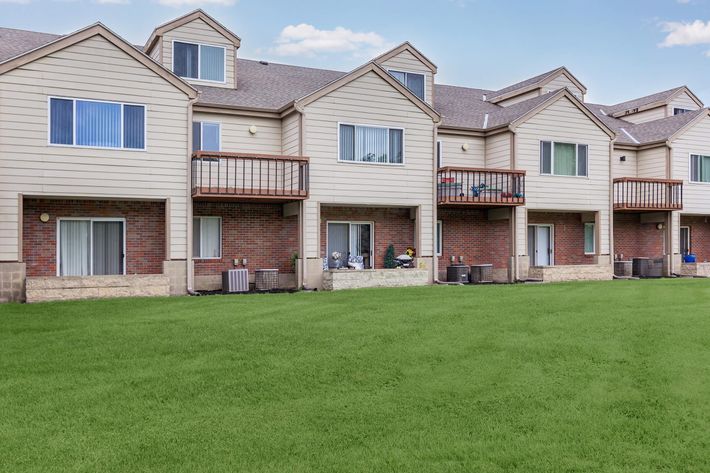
[{"x": 580, "y": 377}]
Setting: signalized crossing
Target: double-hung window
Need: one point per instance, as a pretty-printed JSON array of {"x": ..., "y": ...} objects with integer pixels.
[
  {"x": 699, "y": 168},
  {"x": 90, "y": 246},
  {"x": 590, "y": 244},
  {"x": 206, "y": 136},
  {"x": 413, "y": 81},
  {"x": 371, "y": 144},
  {"x": 76, "y": 122},
  {"x": 207, "y": 237},
  {"x": 563, "y": 159},
  {"x": 199, "y": 61}
]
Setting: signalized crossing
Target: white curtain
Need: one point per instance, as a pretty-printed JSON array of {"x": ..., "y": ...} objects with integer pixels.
[
  {"x": 371, "y": 144},
  {"x": 74, "y": 247},
  {"x": 211, "y": 63},
  {"x": 210, "y": 237},
  {"x": 108, "y": 248}
]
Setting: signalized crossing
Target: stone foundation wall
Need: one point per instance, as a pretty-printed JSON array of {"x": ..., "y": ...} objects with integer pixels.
[
  {"x": 12, "y": 282},
  {"x": 213, "y": 282},
  {"x": 351, "y": 279},
  {"x": 582, "y": 272},
  {"x": 52, "y": 288},
  {"x": 176, "y": 271},
  {"x": 695, "y": 269}
]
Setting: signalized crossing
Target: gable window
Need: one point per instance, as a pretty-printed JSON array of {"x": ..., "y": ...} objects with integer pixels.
[
  {"x": 563, "y": 159},
  {"x": 589, "y": 238},
  {"x": 88, "y": 247},
  {"x": 699, "y": 168},
  {"x": 680, "y": 111},
  {"x": 371, "y": 144},
  {"x": 96, "y": 124},
  {"x": 199, "y": 61},
  {"x": 206, "y": 136},
  {"x": 413, "y": 81},
  {"x": 207, "y": 237}
]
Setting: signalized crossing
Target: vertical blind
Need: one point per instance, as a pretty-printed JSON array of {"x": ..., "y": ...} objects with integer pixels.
[
  {"x": 207, "y": 237},
  {"x": 96, "y": 124},
  {"x": 212, "y": 63},
  {"x": 414, "y": 82},
  {"x": 107, "y": 248},
  {"x": 699, "y": 168},
  {"x": 74, "y": 243},
  {"x": 90, "y": 247},
  {"x": 371, "y": 144},
  {"x": 563, "y": 159},
  {"x": 338, "y": 240},
  {"x": 185, "y": 59}
]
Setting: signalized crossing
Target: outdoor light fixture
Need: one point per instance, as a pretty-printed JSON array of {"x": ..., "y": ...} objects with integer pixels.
[
  {"x": 659, "y": 226},
  {"x": 464, "y": 146},
  {"x": 44, "y": 218},
  {"x": 252, "y": 129}
]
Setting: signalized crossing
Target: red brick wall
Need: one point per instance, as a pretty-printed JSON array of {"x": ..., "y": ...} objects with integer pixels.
[
  {"x": 568, "y": 238},
  {"x": 634, "y": 239},
  {"x": 469, "y": 233},
  {"x": 391, "y": 226},
  {"x": 699, "y": 236},
  {"x": 258, "y": 232},
  {"x": 145, "y": 232}
]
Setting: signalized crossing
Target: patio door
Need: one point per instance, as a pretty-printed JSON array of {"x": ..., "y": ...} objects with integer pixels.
[
  {"x": 349, "y": 239},
  {"x": 540, "y": 245},
  {"x": 89, "y": 247},
  {"x": 685, "y": 241}
]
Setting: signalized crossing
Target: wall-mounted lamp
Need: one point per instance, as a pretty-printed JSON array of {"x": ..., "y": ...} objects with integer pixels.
[
  {"x": 464, "y": 146},
  {"x": 44, "y": 218},
  {"x": 252, "y": 130},
  {"x": 622, "y": 158},
  {"x": 659, "y": 226}
]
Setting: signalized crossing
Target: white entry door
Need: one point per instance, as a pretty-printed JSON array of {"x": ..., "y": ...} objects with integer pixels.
[{"x": 540, "y": 245}]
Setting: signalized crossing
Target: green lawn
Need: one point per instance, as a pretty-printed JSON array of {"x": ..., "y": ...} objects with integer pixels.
[{"x": 584, "y": 377}]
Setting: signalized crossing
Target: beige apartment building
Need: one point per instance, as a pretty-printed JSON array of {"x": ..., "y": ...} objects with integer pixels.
[{"x": 154, "y": 169}]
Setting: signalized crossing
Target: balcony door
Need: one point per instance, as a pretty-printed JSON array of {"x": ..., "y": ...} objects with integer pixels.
[{"x": 540, "y": 245}]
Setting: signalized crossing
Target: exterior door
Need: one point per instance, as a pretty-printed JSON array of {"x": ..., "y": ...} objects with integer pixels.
[
  {"x": 540, "y": 245},
  {"x": 685, "y": 241},
  {"x": 338, "y": 241}
]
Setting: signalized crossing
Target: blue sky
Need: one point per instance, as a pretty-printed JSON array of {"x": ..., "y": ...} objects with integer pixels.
[{"x": 619, "y": 49}]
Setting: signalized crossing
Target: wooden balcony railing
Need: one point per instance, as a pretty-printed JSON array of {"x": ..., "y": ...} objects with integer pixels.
[
  {"x": 640, "y": 194},
  {"x": 249, "y": 177},
  {"x": 480, "y": 187}
]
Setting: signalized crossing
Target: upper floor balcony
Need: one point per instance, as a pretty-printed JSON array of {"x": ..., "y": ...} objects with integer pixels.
[
  {"x": 485, "y": 188},
  {"x": 249, "y": 177},
  {"x": 633, "y": 194}
]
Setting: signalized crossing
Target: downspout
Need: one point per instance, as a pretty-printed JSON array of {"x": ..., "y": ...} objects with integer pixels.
[
  {"x": 514, "y": 273},
  {"x": 670, "y": 230},
  {"x": 611, "y": 206},
  {"x": 188, "y": 259},
  {"x": 435, "y": 209},
  {"x": 302, "y": 204}
]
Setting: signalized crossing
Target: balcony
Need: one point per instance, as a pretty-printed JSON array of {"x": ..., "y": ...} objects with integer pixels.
[
  {"x": 485, "y": 188},
  {"x": 647, "y": 195},
  {"x": 249, "y": 177}
]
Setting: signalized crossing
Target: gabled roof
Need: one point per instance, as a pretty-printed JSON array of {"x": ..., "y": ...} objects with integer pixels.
[
  {"x": 359, "y": 72},
  {"x": 534, "y": 83},
  {"x": 15, "y": 42},
  {"x": 188, "y": 17},
  {"x": 649, "y": 101},
  {"x": 406, "y": 46},
  {"x": 96, "y": 29}
]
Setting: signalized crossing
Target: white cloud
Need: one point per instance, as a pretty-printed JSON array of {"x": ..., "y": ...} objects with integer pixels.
[
  {"x": 196, "y": 3},
  {"x": 685, "y": 34},
  {"x": 307, "y": 40},
  {"x": 19, "y": 2},
  {"x": 113, "y": 2},
  {"x": 683, "y": 2}
]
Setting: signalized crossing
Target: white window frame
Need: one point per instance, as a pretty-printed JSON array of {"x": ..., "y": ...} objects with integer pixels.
[
  {"x": 552, "y": 159},
  {"x": 91, "y": 221},
  {"x": 74, "y": 145},
  {"x": 690, "y": 238},
  {"x": 405, "y": 72},
  {"x": 594, "y": 238},
  {"x": 199, "y": 60},
  {"x": 388, "y": 145},
  {"x": 690, "y": 169},
  {"x": 439, "y": 242},
  {"x": 350, "y": 223},
  {"x": 551, "y": 226},
  {"x": 202, "y": 133},
  {"x": 200, "y": 217}
]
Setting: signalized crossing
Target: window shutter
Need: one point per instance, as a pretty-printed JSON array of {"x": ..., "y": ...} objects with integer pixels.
[
  {"x": 546, "y": 157},
  {"x": 582, "y": 160}
]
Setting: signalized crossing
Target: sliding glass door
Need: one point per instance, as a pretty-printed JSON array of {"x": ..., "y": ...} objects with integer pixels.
[
  {"x": 91, "y": 247},
  {"x": 350, "y": 239}
]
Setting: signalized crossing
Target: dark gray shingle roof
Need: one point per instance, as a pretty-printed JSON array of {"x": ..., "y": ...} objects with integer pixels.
[
  {"x": 15, "y": 42},
  {"x": 641, "y": 101},
  {"x": 526, "y": 83}
]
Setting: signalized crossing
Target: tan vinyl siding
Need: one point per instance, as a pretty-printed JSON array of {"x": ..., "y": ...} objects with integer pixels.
[
  {"x": 408, "y": 62},
  {"x": 197, "y": 31},
  {"x": 498, "y": 151},
  {"x": 696, "y": 196},
  {"x": 652, "y": 163},
  {"x": 92, "y": 69},
  {"x": 560, "y": 82},
  {"x": 291, "y": 135},
  {"x": 235, "y": 134},
  {"x": 627, "y": 168},
  {"x": 368, "y": 100},
  {"x": 563, "y": 121},
  {"x": 646, "y": 116},
  {"x": 155, "y": 53},
  {"x": 520, "y": 98},
  {"x": 454, "y": 155},
  {"x": 682, "y": 101}
]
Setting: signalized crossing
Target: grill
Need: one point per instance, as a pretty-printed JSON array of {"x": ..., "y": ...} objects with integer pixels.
[{"x": 235, "y": 280}]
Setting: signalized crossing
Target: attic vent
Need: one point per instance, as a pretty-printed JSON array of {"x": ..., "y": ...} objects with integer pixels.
[{"x": 264, "y": 63}]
